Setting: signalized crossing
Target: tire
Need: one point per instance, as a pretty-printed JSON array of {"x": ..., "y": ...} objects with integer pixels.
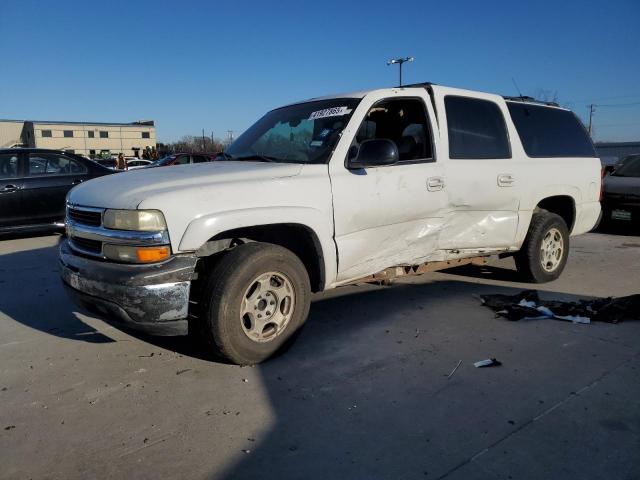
[
  {"x": 263, "y": 280},
  {"x": 531, "y": 262}
]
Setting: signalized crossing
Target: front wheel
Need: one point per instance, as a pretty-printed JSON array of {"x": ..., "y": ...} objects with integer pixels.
[
  {"x": 544, "y": 253},
  {"x": 255, "y": 298}
]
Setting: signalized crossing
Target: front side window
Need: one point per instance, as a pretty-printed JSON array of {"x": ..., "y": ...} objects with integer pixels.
[
  {"x": 550, "y": 132},
  {"x": 68, "y": 133},
  {"x": 53, "y": 164},
  {"x": 476, "y": 129},
  {"x": 104, "y": 134},
  {"x": 199, "y": 159},
  {"x": 403, "y": 121},
  {"x": 46, "y": 133},
  {"x": 302, "y": 133},
  {"x": 8, "y": 165},
  {"x": 182, "y": 160}
]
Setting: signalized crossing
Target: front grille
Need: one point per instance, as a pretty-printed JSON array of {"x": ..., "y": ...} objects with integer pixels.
[
  {"x": 85, "y": 217},
  {"x": 87, "y": 245}
]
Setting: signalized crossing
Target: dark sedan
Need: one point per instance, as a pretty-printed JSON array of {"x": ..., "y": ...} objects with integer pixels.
[
  {"x": 621, "y": 192},
  {"x": 34, "y": 183}
]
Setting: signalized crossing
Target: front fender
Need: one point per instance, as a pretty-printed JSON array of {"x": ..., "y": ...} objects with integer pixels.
[{"x": 202, "y": 229}]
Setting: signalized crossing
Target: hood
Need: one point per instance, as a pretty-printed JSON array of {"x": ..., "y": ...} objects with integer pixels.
[
  {"x": 622, "y": 185},
  {"x": 127, "y": 190}
]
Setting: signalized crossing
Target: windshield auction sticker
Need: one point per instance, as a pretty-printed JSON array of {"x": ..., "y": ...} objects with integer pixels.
[{"x": 330, "y": 112}]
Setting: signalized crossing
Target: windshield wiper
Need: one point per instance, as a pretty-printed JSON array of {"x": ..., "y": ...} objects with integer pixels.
[{"x": 259, "y": 157}]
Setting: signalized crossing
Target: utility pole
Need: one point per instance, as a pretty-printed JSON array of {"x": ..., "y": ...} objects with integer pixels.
[
  {"x": 591, "y": 110},
  {"x": 230, "y": 136},
  {"x": 400, "y": 61},
  {"x": 203, "y": 143}
]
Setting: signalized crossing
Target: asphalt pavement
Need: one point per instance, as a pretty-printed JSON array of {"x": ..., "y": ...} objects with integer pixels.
[{"x": 363, "y": 393}]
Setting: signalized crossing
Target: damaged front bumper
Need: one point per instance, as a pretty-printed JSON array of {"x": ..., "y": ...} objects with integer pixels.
[{"x": 152, "y": 298}]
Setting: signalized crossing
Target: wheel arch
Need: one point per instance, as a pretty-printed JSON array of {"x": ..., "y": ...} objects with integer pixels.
[{"x": 300, "y": 230}]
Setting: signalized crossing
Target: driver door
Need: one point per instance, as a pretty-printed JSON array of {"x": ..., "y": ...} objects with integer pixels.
[{"x": 388, "y": 215}]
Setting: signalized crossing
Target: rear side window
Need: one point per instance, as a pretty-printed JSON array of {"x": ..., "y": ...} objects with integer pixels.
[
  {"x": 550, "y": 132},
  {"x": 476, "y": 129},
  {"x": 8, "y": 165}
]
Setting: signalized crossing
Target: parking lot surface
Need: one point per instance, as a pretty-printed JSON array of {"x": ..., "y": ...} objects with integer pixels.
[{"x": 363, "y": 393}]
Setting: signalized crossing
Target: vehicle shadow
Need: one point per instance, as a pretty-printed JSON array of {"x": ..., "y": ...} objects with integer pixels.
[
  {"x": 32, "y": 294},
  {"x": 618, "y": 228}
]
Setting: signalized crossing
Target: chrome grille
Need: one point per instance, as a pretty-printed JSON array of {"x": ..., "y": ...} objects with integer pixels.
[{"x": 85, "y": 217}]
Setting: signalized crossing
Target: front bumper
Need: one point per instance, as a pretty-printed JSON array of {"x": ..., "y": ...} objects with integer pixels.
[{"x": 151, "y": 298}]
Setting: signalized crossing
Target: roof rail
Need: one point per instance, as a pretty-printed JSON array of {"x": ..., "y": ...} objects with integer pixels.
[
  {"x": 416, "y": 85},
  {"x": 524, "y": 98}
]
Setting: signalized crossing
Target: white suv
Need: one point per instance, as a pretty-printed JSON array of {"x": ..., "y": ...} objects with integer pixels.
[{"x": 331, "y": 191}]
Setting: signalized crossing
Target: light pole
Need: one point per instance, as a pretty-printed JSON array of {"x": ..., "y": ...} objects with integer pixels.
[{"x": 400, "y": 61}]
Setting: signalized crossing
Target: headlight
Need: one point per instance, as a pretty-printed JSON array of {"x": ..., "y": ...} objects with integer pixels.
[
  {"x": 135, "y": 220},
  {"x": 129, "y": 254}
]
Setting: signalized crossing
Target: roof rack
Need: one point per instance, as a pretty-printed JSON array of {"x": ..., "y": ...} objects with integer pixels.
[
  {"x": 417, "y": 85},
  {"x": 524, "y": 98}
]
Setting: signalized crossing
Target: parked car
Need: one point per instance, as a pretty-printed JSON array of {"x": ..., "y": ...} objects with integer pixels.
[
  {"x": 109, "y": 163},
  {"x": 621, "y": 192},
  {"x": 328, "y": 192},
  {"x": 135, "y": 163},
  {"x": 608, "y": 164},
  {"x": 181, "y": 159},
  {"x": 34, "y": 183}
]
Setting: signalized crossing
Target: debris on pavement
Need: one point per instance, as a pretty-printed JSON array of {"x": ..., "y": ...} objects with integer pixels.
[
  {"x": 454, "y": 370},
  {"x": 527, "y": 305},
  {"x": 489, "y": 362}
]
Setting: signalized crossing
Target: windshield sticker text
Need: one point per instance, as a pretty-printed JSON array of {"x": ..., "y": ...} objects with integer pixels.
[{"x": 330, "y": 112}]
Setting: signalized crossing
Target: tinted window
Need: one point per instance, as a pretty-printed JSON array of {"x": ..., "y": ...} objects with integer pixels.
[
  {"x": 403, "y": 121},
  {"x": 104, "y": 134},
  {"x": 630, "y": 167},
  {"x": 476, "y": 129},
  {"x": 8, "y": 165},
  {"x": 550, "y": 132},
  {"x": 53, "y": 164},
  {"x": 199, "y": 159},
  {"x": 46, "y": 133},
  {"x": 68, "y": 133},
  {"x": 182, "y": 160},
  {"x": 145, "y": 134}
]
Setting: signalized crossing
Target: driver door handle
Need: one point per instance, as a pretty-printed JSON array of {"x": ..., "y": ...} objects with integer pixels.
[{"x": 9, "y": 188}]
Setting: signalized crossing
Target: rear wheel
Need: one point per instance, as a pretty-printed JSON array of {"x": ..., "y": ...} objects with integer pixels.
[
  {"x": 544, "y": 253},
  {"x": 255, "y": 298}
]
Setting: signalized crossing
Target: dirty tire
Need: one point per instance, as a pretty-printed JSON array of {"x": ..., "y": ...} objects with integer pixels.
[
  {"x": 530, "y": 257},
  {"x": 223, "y": 298}
]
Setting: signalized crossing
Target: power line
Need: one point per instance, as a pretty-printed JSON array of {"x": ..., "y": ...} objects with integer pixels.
[{"x": 613, "y": 105}]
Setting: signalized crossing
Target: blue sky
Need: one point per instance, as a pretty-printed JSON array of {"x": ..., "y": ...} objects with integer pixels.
[{"x": 190, "y": 65}]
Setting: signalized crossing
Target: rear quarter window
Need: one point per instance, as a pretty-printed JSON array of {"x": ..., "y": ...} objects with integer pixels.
[{"x": 550, "y": 132}]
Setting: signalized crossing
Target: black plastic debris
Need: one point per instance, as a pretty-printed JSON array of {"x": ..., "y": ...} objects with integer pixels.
[
  {"x": 489, "y": 362},
  {"x": 528, "y": 305}
]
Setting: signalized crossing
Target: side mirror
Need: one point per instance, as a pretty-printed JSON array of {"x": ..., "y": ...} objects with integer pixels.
[{"x": 376, "y": 152}]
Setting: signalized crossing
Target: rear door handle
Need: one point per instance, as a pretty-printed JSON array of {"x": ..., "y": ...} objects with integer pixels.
[
  {"x": 435, "y": 183},
  {"x": 506, "y": 180},
  {"x": 9, "y": 188}
]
